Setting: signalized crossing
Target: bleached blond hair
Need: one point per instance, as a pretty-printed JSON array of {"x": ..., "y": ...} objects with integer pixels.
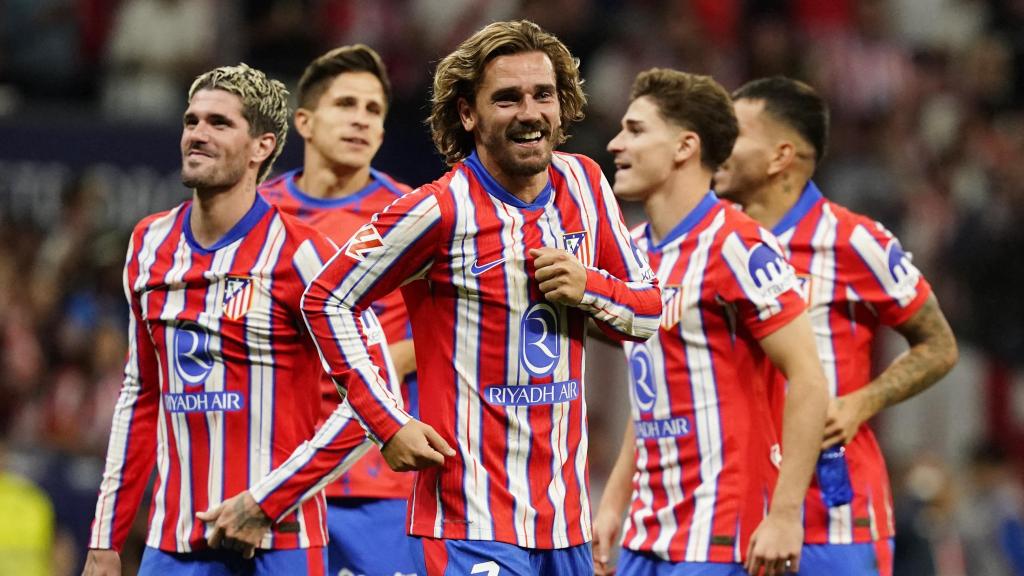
[{"x": 264, "y": 103}]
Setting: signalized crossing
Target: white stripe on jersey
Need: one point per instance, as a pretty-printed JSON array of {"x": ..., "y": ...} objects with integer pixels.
[
  {"x": 876, "y": 256},
  {"x": 468, "y": 411},
  {"x": 708, "y": 426},
  {"x": 258, "y": 340},
  {"x": 575, "y": 176}
]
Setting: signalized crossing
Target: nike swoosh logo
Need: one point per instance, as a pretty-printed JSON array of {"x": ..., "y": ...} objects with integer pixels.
[{"x": 477, "y": 270}]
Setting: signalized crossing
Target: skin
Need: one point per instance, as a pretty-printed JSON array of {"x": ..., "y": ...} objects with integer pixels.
[
  {"x": 659, "y": 163},
  {"x": 769, "y": 167}
]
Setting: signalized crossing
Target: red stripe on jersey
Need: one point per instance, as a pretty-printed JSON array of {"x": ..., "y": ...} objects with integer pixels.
[
  {"x": 856, "y": 279},
  {"x": 339, "y": 219},
  {"x": 704, "y": 434}
]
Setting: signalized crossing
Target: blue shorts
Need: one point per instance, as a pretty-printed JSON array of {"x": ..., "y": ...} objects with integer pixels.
[
  {"x": 861, "y": 559},
  {"x": 645, "y": 564},
  {"x": 155, "y": 562},
  {"x": 368, "y": 537},
  {"x": 437, "y": 557}
]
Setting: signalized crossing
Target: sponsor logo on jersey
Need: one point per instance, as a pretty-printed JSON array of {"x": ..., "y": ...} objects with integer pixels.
[
  {"x": 238, "y": 296},
  {"x": 477, "y": 268},
  {"x": 902, "y": 271},
  {"x": 192, "y": 360},
  {"x": 363, "y": 242},
  {"x": 539, "y": 345},
  {"x": 533, "y": 394},
  {"x": 662, "y": 428},
  {"x": 204, "y": 402},
  {"x": 769, "y": 270},
  {"x": 641, "y": 372}
]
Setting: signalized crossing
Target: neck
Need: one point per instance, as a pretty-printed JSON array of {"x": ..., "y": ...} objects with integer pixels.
[
  {"x": 321, "y": 180},
  {"x": 775, "y": 199},
  {"x": 675, "y": 199},
  {"x": 524, "y": 188},
  {"x": 216, "y": 211}
]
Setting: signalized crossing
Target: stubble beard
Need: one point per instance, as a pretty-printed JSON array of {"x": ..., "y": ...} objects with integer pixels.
[{"x": 503, "y": 150}]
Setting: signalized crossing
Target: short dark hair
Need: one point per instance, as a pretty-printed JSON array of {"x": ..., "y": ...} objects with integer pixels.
[
  {"x": 794, "y": 103},
  {"x": 696, "y": 103},
  {"x": 328, "y": 66}
]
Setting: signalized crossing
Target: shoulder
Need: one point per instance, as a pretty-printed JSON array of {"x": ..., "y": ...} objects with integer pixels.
[
  {"x": 577, "y": 164},
  {"x": 298, "y": 232},
  {"x": 160, "y": 223},
  {"x": 391, "y": 183}
]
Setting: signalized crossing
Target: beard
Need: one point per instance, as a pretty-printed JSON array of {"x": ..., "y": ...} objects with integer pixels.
[
  {"x": 514, "y": 161},
  {"x": 218, "y": 175}
]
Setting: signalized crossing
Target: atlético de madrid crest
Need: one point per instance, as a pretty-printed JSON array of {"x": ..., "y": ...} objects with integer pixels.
[
  {"x": 238, "y": 296},
  {"x": 576, "y": 244}
]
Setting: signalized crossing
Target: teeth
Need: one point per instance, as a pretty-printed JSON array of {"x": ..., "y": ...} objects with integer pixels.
[{"x": 527, "y": 136}]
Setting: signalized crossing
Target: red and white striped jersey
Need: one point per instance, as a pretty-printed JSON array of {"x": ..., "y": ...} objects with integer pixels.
[
  {"x": 338, "y": 219},
  {"x": 855, "y": 277},
  {"x": 706, "y": 445},
  {"x": 500, "y": 369},
  {"x": 222, "y": 387}
]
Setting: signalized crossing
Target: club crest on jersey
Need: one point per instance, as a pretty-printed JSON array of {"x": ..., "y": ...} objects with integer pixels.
[
  {"x": 672, "y": 306},
  {"x": 769, "y": 270},
  {"x": 192, "y": 359},
  {"x": 363, "y": 242},
  {"x": 576, "y": 244},
  {"x": 641, "y": 372},
  {"x": 238, "y": 296}
]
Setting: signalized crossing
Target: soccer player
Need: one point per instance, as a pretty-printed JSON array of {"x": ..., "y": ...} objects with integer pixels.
[
  {"x": 855, "y": 278},
  {"x": 343, "y": 98},
  {"x": 222, "y": 383},
  {"x": 501, "y": 262},
  {"x": 697, "y": 468}
]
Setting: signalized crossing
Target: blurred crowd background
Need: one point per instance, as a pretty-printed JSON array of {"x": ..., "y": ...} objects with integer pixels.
[{"x": 928, "y": 137}]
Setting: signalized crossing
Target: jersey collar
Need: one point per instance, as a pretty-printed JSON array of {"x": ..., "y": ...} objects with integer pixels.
[
  {"x": 240, "y": 229},
  {"x": 492, "y": 187},
  {"x": 376, "y": 181},
  {"x": 808, "y": 198},
  {"x": 698, "y": 213}
]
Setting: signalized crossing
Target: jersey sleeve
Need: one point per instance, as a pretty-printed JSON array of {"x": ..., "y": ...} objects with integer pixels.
[
  {"x": 396, "y": 246},
  {"x": 622, "y": 291},
  {"x": 131, "y": 450},
  {"x": 882, "y": 275},
  {"x": 757, "y": 281}
]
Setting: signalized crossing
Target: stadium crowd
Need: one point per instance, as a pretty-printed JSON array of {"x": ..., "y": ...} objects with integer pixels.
[{"x": 927, "y": 100}]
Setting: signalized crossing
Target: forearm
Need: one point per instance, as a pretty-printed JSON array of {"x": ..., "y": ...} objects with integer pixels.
[
  {"x": 803, "y": 423},
  {"x": 932, "y": 354},
  {"x": 632, "y": 310},
  {"x": 618, "y": 489}
]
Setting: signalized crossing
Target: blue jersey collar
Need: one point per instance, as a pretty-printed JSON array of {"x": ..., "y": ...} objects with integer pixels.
[
  {"x": 808, "y": 198},
  {"x": 376, "y": 181},
  {"x": 698, "y": 213},
  {"x": 240, "y": 229},
  {"x": 498, "y": 191}
]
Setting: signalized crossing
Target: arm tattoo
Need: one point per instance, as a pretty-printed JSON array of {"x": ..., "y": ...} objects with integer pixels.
[{"x": 932, "y": 354}]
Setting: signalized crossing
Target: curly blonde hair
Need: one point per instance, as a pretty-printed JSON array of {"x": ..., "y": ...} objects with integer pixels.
[
  {"x": 264, "y": 103},
  {"x": 459, "y": 75}
]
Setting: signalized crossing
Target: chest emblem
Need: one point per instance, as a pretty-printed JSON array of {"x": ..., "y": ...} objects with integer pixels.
[{"x": 238, "y": 296}]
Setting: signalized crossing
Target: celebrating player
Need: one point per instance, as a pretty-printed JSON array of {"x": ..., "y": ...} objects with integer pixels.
[
  {"x": 343, "y": 98},
  {"x": 501, "y": 263},
  {"x": 222, "y": 384},
  {"x": 697, "y": 468},
  {"x": 855, "y": 278}
]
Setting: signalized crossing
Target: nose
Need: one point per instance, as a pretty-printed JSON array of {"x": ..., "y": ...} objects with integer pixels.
[
  {"x": 529, "y": 110},
  {"x": 615, "y": 145}
]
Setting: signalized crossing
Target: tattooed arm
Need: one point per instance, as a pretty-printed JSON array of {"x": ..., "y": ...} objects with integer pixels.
[
  {"x": 238, "y": 524},
  {"x": 932, "y": 354}
]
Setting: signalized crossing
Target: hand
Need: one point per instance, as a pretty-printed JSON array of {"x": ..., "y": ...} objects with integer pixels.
[
  {"x": 775, "y": 547},
  {"x": 415, "y": 446},
  {"x": 606, "y": 535},
  {"x": 562, "y": 277},
  {"x": 238, "y": 524},
  {"x": 842, "y": 421},
  {"x": 102, "y": 562}
]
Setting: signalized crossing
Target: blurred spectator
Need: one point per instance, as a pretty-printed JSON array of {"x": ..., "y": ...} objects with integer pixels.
[
  {"x": 927, "y": 541},
  {"x": 156, "y": 47},
  {"x": 992, "y": 515},
  {"x": 281, "y": 37},
  {"x": 40, "y": 48}
]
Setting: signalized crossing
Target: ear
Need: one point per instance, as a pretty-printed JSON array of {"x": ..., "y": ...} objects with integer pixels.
[
  {"x": 687, "y": 146},
  {"x": 782, "y": 157},
  {"x": 304, "y": 123},
  {"x": 262, "y": 147},
  {"x": 466, "y": 115}
]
